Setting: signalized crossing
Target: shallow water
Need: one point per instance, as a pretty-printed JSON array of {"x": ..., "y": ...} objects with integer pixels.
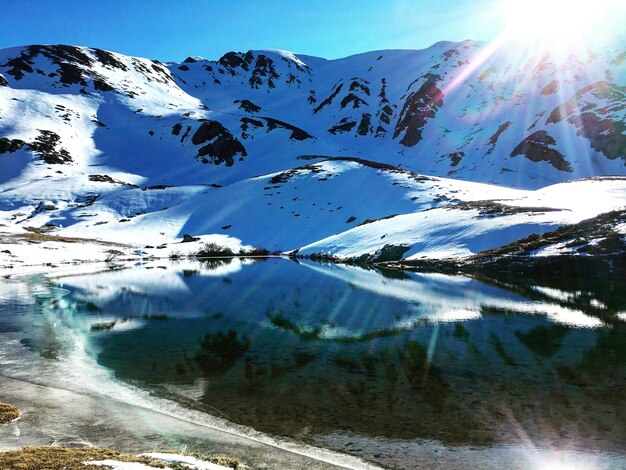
[{"x": 371, "y": 363}]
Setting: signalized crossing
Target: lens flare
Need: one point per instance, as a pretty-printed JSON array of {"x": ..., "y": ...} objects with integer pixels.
[{"x": 555, "y": 21}]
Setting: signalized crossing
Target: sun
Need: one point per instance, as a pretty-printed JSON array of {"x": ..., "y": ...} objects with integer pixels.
[{"x": 556, "y": 22}]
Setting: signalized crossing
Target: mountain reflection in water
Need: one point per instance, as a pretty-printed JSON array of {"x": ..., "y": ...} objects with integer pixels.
[{"x": 307, "y": 350}]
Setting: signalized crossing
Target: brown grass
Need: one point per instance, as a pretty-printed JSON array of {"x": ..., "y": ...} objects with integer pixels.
[
  {"x": 8, "y": 413},
  {"x": 41, "y": 235},
  {"x": 54, "y": 458}
]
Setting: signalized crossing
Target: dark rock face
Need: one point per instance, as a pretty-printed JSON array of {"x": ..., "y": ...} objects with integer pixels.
[
  {"x": 208, "y": 130},
  {"x": 551, "y": 88},
  {"x": 108, "y": 179},
  {"x": 605, "y": 135},
  {"x": 365, "y": 126},
  {"x": 355, "y": 85},
  {"x": 272, "y": 124},
  {"x": 232, "y": 60},
  {"x": 47, "y": 147},
  {"x": 419, "y": 107},
  {"x": 176, "y": 128},
  {"x": 109, "y": 60},
  {"x": 19, "y": 66},
  {"x": 10, "y": 145},
  {"x": 248, "y": 106},
  {"x": 344, "y": 127},
  {"x": 296, "y": 134},
  {"x": 3, "y": 81},
  {"x": 385, "y": 254},
  {"x": 336, "y": 90},
  {"x": 222, "y": 146},
  {"x": 75, "y": 66},
  {"x": 189, "y": 239},
  {"x": 456, "y": 157},
  {"x": 264, "y": 69},
  {"x": 354, "y": 100},
  {"x": 600, "y": 123},
  {"x": 493, "y": 140},
  {"x": 536, "y": 147}
]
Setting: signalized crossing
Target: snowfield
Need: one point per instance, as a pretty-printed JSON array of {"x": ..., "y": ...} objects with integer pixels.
[{"x": 438, "y": 153}]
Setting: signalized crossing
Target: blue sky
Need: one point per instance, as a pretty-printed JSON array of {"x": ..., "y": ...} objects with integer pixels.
[{"x": 172, "y": 30}]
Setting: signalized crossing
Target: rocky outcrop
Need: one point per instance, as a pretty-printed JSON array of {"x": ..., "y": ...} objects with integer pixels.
[
  {"x": 551, "y": 88},
  {"x": 10, "y": 145},
  {"x": 419, "y": 107},
  {"x": 537, "y": 147},
  {"x": 272, "y": 124},
  {"x": 248, "y": 106},
  {"x": 336, "y": 90},
  {"x": 493, "y": 140},
  {"x": 343, "y": 126},
  {"x": 48, "y": 147},
  {"x": 596, "y": 111},
  {"x": 222, "y": 146},
  {"x": 75, "y": 66}
]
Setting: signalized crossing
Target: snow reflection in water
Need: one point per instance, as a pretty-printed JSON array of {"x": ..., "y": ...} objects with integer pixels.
[{"x": 334, "y": 354}]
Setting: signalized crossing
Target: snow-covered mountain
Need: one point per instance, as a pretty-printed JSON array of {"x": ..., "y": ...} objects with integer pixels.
[{"x": 293, "y": 152}]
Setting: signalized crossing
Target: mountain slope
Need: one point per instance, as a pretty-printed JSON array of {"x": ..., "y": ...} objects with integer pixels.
[{"x": 290, "y": 151}]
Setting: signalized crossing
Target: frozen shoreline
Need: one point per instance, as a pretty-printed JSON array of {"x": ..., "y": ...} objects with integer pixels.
[
  {"x": 46, "y": 412},
  {"x": 52, "y": 416}
]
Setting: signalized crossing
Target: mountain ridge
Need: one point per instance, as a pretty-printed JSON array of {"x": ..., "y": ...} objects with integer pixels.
[{"x": 86, "y": 133}]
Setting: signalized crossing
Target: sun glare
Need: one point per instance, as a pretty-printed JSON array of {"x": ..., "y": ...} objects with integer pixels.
[{"x": 558, "y": 22}]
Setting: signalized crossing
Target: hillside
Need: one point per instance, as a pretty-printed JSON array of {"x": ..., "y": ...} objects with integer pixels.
[{"x": 446, "y": 151}]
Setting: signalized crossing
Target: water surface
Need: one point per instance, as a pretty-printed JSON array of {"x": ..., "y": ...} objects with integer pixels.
[{"x": 367, "y": 362}]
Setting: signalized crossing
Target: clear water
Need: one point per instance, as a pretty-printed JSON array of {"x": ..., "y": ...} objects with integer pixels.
[{"x": 360, "y": 361}]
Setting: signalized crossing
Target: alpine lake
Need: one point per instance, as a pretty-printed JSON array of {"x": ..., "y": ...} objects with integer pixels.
[{"x": 378, "y": 364}]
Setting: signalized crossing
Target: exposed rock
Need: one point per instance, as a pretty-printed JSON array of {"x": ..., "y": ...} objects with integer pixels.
[
  {"x": 486, "y": 73},
  {"x": 208, "y": 130},
  {"x": 232, "y": 60},
  {"x": 3, "y": 81},
  {"x": 619, "y": 58},
  {"x": 189, "y": 239},
  {"x": 419, "y": 107},
  {"x": 176, "y": 128},
  {"x": 264, "y": 71},
  {"x": 595, "y": 111},
  {"x": 48, "y": 147},
  {"x": 494, "y": 138},
  {"x": 345, "y": 127},
  {"x": 108, "y": 179},
  {"x": 536, "y": 147},
  {"x": 296, "y": 132},
  {"x": 248, "y": 106},
  {"x": 336, "y": 90},
  {"x": 456, "y": 157},
  {"x": 356, "y": 85},
  {"x": 365, "y": 126},
  {"x": 385, "y": 254},
  {"x": 109, "y": 60},
  {"x": 10, "y": 145},
  {"x": 272, "y": 124},
  {"x": 551, "y": 88},
  {"x": 352, "y": 99},
  {"x": 222, "y": 146}
]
